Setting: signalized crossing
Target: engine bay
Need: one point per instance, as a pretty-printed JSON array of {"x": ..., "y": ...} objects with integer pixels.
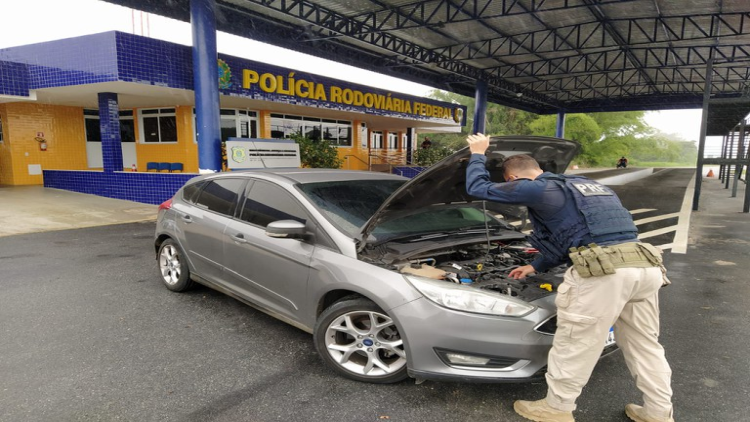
[{"x": 486, "y": 267}]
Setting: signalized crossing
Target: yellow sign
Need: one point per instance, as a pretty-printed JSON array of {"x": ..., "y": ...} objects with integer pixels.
[{"x": 289, "y": 85}]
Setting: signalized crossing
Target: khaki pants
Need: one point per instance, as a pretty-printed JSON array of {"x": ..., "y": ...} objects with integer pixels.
[{"x": 587, "y": 308}]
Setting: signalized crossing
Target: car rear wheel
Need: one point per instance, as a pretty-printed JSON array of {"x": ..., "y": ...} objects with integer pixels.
[
  {"x": 361, "y": 342},
  {"x": 173, "y": 267}
]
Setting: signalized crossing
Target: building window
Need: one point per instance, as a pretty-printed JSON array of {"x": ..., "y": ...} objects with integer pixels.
[
  {"x": 376, "y": 140},
  {"x": 337, "y": 132},
  {"x": 93, "y": 130},
  {"x": 234, "y": 124},
  {"x": 158, "y": 125}
]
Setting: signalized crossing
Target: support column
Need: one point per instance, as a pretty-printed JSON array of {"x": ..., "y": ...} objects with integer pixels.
[
  {"x": 109, "y": 126},
  {"x": 409, "y": 145},
  {"x": 560, "y": 128},
  {"x": 206, "y": 83},
  {"x": 740, "y": 156},
  {"x": 480, "y": 107},
  {"x": 728, "y": 167},
  {"x": 704, "y": 128},
  {"x": 724, "y": 143}
]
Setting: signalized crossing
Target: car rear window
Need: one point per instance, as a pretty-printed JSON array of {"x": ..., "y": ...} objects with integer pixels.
[
  {"x": 189, "y": 191},
  {"x": 348, "y": 204},
  {"x": 221, "y": 195}
]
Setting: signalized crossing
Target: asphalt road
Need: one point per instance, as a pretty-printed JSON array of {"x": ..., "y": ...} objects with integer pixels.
[{"x": 88, "y": 333}]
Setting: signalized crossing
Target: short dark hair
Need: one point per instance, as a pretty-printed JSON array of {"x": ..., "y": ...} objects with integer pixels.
[{"x": 520, "y": 162}]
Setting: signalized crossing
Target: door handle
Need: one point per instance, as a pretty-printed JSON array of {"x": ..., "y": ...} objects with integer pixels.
[
  {"x": 186, "y": 218},
  {"x": 239, "y": 238}
]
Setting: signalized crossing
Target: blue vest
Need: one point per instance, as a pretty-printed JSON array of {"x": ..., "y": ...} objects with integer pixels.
[{"x": 598, "y": 216}]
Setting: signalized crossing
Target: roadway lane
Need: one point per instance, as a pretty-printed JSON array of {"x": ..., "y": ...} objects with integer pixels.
[{"x": 655, "y": 202}]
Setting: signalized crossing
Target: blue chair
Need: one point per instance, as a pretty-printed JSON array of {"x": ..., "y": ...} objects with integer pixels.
[
  {"x": 151, "y": 165},
  {"x": 164, "y": 166},
  {"x": 175, "y": 167}
]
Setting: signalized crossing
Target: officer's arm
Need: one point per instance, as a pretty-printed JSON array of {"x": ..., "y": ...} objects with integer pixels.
[{"x": 542, "y": 264}]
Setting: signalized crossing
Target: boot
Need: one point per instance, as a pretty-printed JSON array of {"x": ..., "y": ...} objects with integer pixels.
[
  {"x": 540, "y": 411},
  {"x": 637, "y": 414}
]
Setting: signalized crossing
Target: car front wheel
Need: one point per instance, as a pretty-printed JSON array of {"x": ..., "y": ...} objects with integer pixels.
[
  {"x": 173, "y": 267},
  {"x": 361, "y": 342}
]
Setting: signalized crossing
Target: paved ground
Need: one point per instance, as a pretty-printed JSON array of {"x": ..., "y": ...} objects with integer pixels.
[
  {"x": 87, "y": 333},
  {"x": 33, "y": 209}
]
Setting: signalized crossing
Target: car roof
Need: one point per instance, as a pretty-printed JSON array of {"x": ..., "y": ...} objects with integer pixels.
[{"x": 302, "y": 176}]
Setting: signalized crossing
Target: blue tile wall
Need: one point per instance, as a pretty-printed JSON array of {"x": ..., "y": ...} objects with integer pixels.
[
  {"x": 14, "y": 79},
  {"x": 73, "y": 61},
  {"x": 409, "y": 172},
  {"x": 148, "y": 188},
  {"x": 154, "y": 62}
]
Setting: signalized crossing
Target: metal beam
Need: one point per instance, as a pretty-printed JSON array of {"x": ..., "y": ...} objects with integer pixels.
[
  {"x": 688, "y": 61},
  {"x": 443, "y": 12},
  {"x": 593, "y": 35},
  {"x": 330, "y": 23}
]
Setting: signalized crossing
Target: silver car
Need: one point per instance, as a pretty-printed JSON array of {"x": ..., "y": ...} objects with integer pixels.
[{"x": 394, "y": 278}]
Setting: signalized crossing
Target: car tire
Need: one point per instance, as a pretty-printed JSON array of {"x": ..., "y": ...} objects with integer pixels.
[
  {"x": 361, "y": 342},
  {"x": 173, "y": 267}
]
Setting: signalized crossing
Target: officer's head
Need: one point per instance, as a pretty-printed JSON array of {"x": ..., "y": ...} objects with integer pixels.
[{"x": 520, "y": 166}]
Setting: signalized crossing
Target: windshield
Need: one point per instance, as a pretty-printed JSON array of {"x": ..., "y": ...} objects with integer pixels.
[{"x": 348, "y": 204}]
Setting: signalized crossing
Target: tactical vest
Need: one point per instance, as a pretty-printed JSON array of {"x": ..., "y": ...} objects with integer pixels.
[{"x": 603, "y": 218}]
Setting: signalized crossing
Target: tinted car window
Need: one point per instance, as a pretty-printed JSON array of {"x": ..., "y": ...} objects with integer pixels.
[
  {"x": 266, "y": 203},
  {"x": 350, "y": 203},
  {"x": 189, "y": 191},
  {"x": 221, "y": 195}
]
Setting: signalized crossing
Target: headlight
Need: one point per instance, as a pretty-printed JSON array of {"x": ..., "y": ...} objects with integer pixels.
[{"x": 469, "y": 299}]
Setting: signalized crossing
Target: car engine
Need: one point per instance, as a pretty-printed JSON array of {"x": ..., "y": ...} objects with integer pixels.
[{"x": 486, "y": 267}]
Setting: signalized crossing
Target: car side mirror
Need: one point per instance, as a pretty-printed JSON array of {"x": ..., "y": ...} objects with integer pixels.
[{"x": 288, "y": 229}]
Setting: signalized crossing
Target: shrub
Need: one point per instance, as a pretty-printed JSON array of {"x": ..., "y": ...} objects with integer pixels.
[{"x": 317, "y": 153}]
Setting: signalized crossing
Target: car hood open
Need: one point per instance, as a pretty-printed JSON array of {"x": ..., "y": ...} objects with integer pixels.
[{"x": 444, "y": 183}]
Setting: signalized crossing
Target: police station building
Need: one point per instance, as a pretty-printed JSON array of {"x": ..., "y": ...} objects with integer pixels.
[{"x": 113, "y": 114}]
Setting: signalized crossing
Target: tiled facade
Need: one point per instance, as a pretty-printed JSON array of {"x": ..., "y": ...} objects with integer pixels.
[
  {"x": 149, "y": 188},
  {"x": 115, "y": 57}
]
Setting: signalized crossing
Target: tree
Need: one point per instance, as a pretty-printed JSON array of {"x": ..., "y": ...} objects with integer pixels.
[
  {"x": 500, "y": 120},
  {"x": 316, "y": 154},
  {"x": 428, "y": 156},
  {"x": 581, "y": 128}
]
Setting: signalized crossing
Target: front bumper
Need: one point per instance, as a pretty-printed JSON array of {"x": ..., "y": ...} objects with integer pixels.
[{"x": 429, "y": 329}]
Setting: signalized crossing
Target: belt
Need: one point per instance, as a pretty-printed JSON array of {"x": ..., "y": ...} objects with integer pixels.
[{"x": 594, "y": 260}]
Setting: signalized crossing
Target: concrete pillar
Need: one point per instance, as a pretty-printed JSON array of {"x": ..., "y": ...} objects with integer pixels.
[
  {"x": 109, "y": 125},
  {"x": 206, "y": 83}
]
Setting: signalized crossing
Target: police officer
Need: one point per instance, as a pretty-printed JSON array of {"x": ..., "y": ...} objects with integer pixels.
[{"x": 614, "y": 280}]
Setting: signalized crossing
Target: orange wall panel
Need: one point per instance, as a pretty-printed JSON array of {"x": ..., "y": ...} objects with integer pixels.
[
  {"x": 6, "y": 162},
  {"x": 63, "y": 130},
  {"x": 184, "y": 151}
]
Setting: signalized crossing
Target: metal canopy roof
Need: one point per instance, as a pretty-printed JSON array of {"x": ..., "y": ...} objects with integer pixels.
[{"x": 542, "y": 56}]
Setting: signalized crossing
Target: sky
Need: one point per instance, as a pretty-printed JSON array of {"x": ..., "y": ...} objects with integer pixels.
[{"x": 32, "y": 21}]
